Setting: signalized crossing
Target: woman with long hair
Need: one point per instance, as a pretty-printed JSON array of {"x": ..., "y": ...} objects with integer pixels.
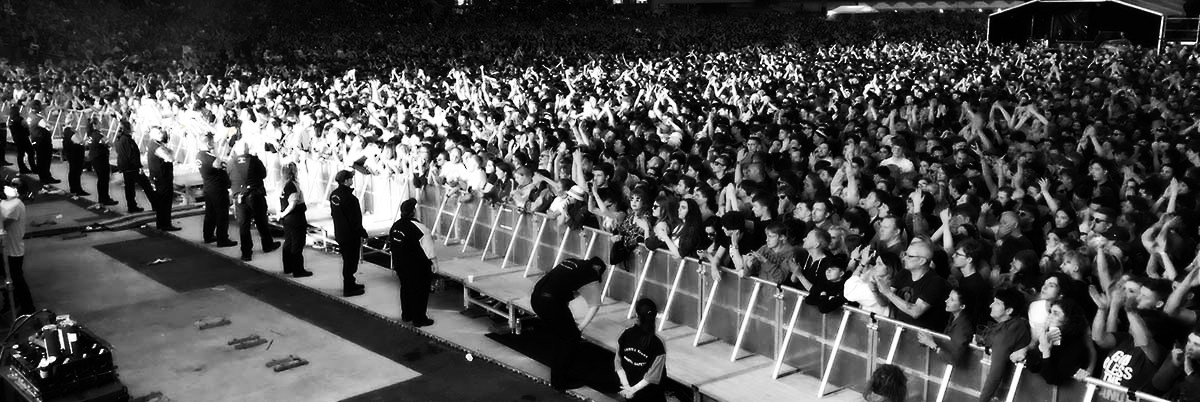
[
  {"x": 641, "y": 359},
  {"x": 1064, "y": 350},
  {"x": 295, "y": 224}
]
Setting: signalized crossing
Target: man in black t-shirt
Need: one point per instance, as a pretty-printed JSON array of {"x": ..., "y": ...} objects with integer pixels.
[
  {"x": 551, "y": 301},
  {"x": 920, "y": 295}
]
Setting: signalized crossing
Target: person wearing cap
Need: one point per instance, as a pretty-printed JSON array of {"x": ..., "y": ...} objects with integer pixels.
[
  {"x": 97, "y": 155},
  {"x": 348, "y": 230},
  {"x": 414, "y": 259},
  {"x": 129, "y": 163},
  {"x": 246, "y": 175},
  {"x": 215, "y": 228},
  {"x": 551, "y": 300},
  {"x": 16, "y": 223},
  {"x": 161, "y": 161}
]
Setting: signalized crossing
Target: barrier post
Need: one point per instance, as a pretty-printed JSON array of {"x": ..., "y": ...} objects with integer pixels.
[
  {"x": 837, "y": 344},
  {"x": 471, "y": 230},
  {"x": 591, "y": 245},
  {"x": 487, "y": 246},
  {"x": 708, "y": 304},
  {"x": 787, "y": 337},
  {"x": 666, "y": 312},
  {"x": 561, "y": 245},
  {"x": 512, "y": 241},
  {"x": 637, "y": 290},
  {"x": 1016, "y": 379},
  {"x": 607, "y": 281},
  {"x": 741, "y": 336},
  {"x": 437, "y": 221},
  {"x": 895, "y": 344},
  {"x": 1089, "y": 392},
  {"x": 946, "y": 383},
  {"x": 537, "y": 242},
  {"x": 453, "y": 224}
]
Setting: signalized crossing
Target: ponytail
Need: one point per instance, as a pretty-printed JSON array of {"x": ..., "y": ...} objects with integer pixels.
[{"x": 647, "y": 313}]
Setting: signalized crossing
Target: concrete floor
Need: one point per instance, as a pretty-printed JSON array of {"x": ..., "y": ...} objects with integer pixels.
[{"x": 158, "y": 350}]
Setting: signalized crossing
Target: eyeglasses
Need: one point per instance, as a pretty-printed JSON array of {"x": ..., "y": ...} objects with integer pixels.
[
  {"x": 907, "y": 255},
  {"x": 1098, "y": 220}
]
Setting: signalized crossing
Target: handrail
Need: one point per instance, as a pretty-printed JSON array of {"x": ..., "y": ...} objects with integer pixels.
[{"x": 1093, "y": 383}]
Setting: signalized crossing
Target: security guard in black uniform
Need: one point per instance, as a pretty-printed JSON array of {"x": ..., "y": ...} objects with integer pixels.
[
  {"x": 97, "y": 155},
  {"x": 347, "y": 230},
  {"x": 161, "y": 159},
  {"x": 19, "y": 133},
  {"x": 415, "y": 261},
  {"x": 74, "y": 152},
  {"x": 551, "y": 300},
  {"x": 216, "y": 194},
  {"x": 129, "y": 163},
  {"x": 43, "y": 149},
  {"x": 250, "y": 197}
]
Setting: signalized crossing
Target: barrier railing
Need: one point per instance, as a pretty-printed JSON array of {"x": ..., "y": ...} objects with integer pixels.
[{"x": 841, "y": 348}]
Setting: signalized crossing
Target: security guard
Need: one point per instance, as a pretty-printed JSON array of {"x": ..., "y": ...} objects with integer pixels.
[
  {"x": 19, "y": 134},
  {"x": 129, "y": 163},
  {"x": 161, "y": 159},
  {"x": 415, "y": 262},
  {"x": 98, "y": 156},
  {"x": 74, "y": 153},
  {"x": 551, "y": 300},
  {"x": 348, "y": 230},
  {"x": 216, "y": 194},
  {"x": 39, "y": 133},
  {"x": 250, "y": 195}
]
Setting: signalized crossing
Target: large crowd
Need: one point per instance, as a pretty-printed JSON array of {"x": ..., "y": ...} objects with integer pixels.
[{"x": 1034, "y": 199}]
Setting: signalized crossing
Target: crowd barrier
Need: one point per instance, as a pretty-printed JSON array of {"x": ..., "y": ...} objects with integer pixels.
[{"x": 840, "y": 348}]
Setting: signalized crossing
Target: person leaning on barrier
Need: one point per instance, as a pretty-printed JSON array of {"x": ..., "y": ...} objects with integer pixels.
[
  {"x": 1135, "y": 354},
  {"x": 917, "y": 293},
  {"x": 347, "y": 230},
  {"x": 1062, "y": 350},
  {"x": 414, "y": 259},
  {"x": 960, "y": 330},
  {"x": 874, "y": 272},
  {"x": 641, "y": 358},
  {"x": 97, "y": 156},
  {"x": 551, "y": 300},
  {"x": 1009, "y": 333},
  {"x": 216, "y": 194}
]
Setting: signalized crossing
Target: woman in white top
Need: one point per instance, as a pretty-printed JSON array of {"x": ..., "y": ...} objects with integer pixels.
[{"x": 873, "y": 271}]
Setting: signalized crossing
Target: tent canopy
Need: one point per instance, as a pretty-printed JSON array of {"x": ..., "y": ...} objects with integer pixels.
[{"x": 1077, "y": 21}]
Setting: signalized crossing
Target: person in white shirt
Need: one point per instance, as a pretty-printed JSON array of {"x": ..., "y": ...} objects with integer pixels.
[{"x": 16, "y": 222}]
